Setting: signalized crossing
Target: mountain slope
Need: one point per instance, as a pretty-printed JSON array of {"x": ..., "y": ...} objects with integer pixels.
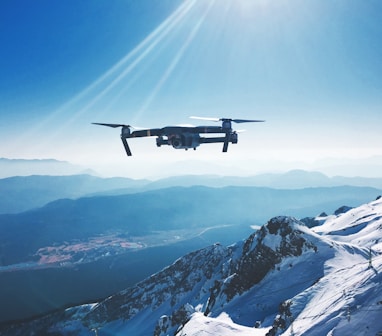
[
  {"x": 346, "y": 299},
  {"x": 284, "y": 279}
]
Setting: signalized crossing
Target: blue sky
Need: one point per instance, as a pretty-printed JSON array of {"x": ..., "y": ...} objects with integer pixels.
[{"x": 312, "y": 69}]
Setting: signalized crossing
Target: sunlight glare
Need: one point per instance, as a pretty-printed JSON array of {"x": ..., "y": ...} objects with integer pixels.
[{"x": 247, "y": 8}]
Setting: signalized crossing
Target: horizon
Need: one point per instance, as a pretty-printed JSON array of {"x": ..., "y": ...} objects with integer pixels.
[
  {"x": 312, "y": 70},
  {"x": 328, "y": 167}
]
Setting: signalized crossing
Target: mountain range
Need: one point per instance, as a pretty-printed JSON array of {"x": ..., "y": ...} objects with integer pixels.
[
  {"x": 161, "y": 210},
  {"x": 26, "y": 167},
  {"x": 335, "y": 166},
  {"x": 29, "y": 192},
  {"x": 285, "y": 278}
]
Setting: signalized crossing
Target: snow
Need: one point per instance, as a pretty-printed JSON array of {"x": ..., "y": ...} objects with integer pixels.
[
  {"x": 201, "y": 325},
  {"x": 272, "y": 241},
  {"x": 360, "y": 226},
  {"x": 341, "y": 302},
  {"x": 335, "y": 291}
]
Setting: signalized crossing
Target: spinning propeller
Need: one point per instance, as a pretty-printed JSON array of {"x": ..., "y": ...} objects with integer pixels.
[{"x": 238, "y": 121}]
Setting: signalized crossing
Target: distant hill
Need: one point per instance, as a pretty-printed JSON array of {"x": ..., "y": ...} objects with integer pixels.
[
  {"x": 21, "y": 193},
  {"x": 294, "y": 179},
  {"x": 28, "y": 192},
  {"x": 164, "y": 209},
  {"x": 25, "y": 167}
]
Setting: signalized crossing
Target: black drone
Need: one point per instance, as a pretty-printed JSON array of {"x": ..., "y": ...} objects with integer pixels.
[{"x": 184, "y": 137}]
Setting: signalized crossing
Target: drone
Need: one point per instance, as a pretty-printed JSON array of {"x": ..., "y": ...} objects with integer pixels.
[{"x": 184, "y": 137}]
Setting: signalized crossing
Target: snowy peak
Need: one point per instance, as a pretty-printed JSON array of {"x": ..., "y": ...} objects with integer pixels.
[
  {"x": 286, "y": 236},
  {"x": 361, "y": 226},
  {"x": 280, "y": 238}
]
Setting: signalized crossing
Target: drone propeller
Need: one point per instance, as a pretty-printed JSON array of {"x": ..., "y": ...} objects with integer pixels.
[
  {"x": 112, "y": 125},
  {"x": 227, "y": 119},
  {"x": 239, "y": 121},
  {"x": 205, "y": 118}
]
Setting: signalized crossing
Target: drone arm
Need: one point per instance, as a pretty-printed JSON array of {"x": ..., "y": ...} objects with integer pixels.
[{"x": 146, "y": 133}]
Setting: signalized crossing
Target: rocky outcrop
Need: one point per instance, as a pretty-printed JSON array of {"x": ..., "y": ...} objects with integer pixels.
[{"x": 262, "y": 251}]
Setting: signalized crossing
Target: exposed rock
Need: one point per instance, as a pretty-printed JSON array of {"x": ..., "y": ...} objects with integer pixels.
[
  {"x": 262, "y": 251},
  {"x": 342, "y": 210}
]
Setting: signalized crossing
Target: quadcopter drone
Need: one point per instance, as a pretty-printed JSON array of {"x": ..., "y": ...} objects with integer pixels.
[{"x": 184, "y": 137}]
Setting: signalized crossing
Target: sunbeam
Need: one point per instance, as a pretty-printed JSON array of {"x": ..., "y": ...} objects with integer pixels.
[
  {"x": 176, "y": 60},
  {"x": 139, "y": 54},
  {"x": 93, "y": 93}
]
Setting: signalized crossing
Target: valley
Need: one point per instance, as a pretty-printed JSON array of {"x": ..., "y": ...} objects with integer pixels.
[
  {"x": 72, "y": 253},
  {"x": 84, "y": 271}
]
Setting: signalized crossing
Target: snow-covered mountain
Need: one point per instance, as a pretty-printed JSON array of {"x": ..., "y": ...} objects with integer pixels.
[{"x": 285, "y": 279}]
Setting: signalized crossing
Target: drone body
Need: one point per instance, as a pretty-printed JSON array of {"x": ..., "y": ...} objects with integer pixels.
[{"x": 184, "y": 137}]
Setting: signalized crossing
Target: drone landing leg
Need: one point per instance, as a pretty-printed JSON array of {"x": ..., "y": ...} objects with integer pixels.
[
  {"x": 226, "y": 142},
  {"x": 125, "y": 144}
]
